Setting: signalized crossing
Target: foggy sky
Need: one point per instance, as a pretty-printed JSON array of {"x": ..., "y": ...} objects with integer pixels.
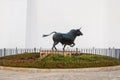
[{"x": 12, "y": 23}]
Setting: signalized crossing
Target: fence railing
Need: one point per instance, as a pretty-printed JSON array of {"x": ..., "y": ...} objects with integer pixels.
[{"x": 101, "y": 51}]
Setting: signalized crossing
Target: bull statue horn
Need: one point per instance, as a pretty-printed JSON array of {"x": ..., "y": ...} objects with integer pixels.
[{"x": 80, "y": 28}]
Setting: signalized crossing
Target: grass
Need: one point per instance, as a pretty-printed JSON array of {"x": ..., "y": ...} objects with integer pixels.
[{"x": 32, "y": 60}]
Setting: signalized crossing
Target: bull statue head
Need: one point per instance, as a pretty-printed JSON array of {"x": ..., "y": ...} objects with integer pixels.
[{"x": 78, "y": 32}]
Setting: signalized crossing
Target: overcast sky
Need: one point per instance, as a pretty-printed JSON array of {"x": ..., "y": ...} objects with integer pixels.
[
  {"x": 23, "y": 23},
  {"x": 12, "y": 23}
]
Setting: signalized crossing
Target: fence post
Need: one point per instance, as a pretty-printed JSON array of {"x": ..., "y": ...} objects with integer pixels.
[
  {"x": 63, "y": 52},
  {"x": 0, "y": 53},
  {"x": 113, "y": 52},
  {"x": 4, "y": 51},
  {"x": 99, "y": 51},
  {"x": 16, "y": 51},
  {"x": 76, "y": 50},
  {"x": 93, "y": 50},
  {"x": 40, "y": 52},
  {"x": 110, "y": 52},
  {"x": 35, "y": 50},
  {"x": 118, "y": 54}
]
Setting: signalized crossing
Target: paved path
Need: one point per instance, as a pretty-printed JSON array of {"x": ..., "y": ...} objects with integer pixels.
[{"x": 60, "y": 75}]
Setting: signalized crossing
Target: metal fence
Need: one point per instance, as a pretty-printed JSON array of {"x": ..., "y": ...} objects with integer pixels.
[
  {"x": 13, "y": 51},
  {"x": 101, "y": 51}
]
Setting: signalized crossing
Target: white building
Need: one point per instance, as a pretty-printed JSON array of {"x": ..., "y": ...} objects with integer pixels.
[{"x": 22, "y": 22}]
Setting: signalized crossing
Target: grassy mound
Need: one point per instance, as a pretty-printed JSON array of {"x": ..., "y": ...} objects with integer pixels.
[{"x": 32, "y": 60}]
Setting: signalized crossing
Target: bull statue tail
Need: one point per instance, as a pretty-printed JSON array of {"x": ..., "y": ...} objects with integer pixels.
[{"x": 49, "y": 34}]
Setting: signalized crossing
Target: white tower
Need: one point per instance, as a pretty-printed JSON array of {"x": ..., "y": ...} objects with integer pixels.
[{"x": 31, "y": 27}]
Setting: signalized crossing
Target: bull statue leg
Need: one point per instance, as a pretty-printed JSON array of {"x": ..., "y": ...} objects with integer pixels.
[
  {"x": 64, "y": 47},
  {"x": 55, "y": 43}
]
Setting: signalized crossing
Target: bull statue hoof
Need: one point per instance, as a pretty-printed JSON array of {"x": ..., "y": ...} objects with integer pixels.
[{"x": 72, "y": 45}]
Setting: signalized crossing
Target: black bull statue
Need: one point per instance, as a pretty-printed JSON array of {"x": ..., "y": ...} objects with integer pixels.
[{"x": 65, "y": 39}]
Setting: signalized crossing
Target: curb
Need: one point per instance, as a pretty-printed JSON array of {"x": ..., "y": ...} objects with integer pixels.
[{"x": 35, "y": 70}]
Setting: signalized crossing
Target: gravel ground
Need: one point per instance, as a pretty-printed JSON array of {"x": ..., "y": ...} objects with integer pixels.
[{"x": 60, "y": 75}]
